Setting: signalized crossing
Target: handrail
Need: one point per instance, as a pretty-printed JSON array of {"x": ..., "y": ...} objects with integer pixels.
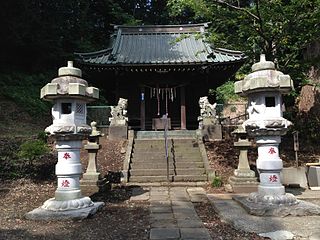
[{"x": 165, "y": 117}]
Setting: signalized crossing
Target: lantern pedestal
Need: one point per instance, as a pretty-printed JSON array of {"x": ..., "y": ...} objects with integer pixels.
[{"x": 68, "y": 202}]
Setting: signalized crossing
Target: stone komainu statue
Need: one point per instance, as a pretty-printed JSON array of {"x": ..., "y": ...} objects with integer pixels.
[
  {"x": 119, "y": 113},
  {"x": 207, "y": 111}
]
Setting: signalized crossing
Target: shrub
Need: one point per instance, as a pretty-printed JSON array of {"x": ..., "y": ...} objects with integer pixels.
[
  {"x": 225, "y": 93},
  {"x": 216, "y": 182},
  {"x": 32, "y": 149}
]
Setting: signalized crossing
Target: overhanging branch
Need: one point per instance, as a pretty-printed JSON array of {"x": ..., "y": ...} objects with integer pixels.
[{"x": 237, "y": 8}]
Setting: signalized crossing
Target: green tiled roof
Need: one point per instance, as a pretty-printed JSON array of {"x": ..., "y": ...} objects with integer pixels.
[{"x": 160, "y": 45}]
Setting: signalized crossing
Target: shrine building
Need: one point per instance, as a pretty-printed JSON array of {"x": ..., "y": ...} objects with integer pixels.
[{"x": 160, "y": 69}]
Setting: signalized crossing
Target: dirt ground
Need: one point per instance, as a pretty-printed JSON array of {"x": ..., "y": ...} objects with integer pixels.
[{"x": 119, "y": 218}]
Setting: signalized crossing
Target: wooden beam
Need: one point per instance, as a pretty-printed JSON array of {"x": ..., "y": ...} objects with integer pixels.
[{"x": 183, "y": 108}]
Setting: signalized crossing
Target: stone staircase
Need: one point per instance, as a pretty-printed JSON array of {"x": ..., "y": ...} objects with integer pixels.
[{"x": 148, "y": 162}]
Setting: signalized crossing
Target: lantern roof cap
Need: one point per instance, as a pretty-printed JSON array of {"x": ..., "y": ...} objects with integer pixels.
[{"x": 69, "y": 70}]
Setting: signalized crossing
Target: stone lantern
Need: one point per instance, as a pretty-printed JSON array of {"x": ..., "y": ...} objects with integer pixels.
[
  {"x": 264, "y": 88},
  {"x": 69, "y": 94}
]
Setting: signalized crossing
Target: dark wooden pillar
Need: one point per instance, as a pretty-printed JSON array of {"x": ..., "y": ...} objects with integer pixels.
[
  {"x": 142, "y": 109},
  {"x": 183, "y": 108}
]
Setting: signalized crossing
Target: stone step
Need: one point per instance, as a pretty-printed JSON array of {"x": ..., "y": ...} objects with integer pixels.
[
  {"x": 162, "y": 151},
  {"x": 161, "y": 141},
  {"x": 160, "y": 154},
  {"x": 167, "y": 184},
  {"x": 144, "y": 179},
  {"x": 162, "y": 146},
  {"x": 181, "y": 178},
  {"x": 159, "y": 172},
  {"x": 190, "y": 178},
  {"x": 180, "y": 164},
  {"x": 146, "y": 155},
  {"x": 155, "y": 159},
  {"x": 160, "y": 134}
]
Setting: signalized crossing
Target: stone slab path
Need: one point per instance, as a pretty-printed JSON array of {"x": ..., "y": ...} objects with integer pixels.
[{"x": 172, "y": 214}]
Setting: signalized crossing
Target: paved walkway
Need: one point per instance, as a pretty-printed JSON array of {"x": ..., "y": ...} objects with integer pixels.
[{"x": 172, "y": 215}]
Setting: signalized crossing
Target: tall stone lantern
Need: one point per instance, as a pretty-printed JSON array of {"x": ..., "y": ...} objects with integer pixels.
[
  {"x": 69, "y": 94},
  {"x": 264, "y": 88}
]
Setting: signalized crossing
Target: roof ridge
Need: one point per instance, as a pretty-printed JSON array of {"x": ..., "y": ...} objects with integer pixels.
[
  {"x": 205, "y": 24},
  {"x": 225, "y": 50}
]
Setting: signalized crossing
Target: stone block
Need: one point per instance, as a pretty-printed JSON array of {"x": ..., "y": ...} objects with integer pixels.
[
  {"x": 164, "y": 233},
  {"x": 93, "y": 92},
  {"x": 77, "y": 89},
  {"x": 314, "y": 176},
  {"x": 49, "y": 89},
  {"x": 118, "y": 132},
  {"x": 302, "y": 208},
  {"x": 195, "y": 233},
  {"x": 294, "y": 176},
  {"x": 91, "y": 186},
  {"x": 244, "y": 188},
  {"x": 212, "y": 132}
]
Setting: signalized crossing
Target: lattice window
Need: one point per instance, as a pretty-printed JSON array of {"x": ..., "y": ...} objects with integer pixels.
[{"x": 79, "y": 108}]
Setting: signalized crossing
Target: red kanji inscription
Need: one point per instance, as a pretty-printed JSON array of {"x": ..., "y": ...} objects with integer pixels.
[
  {"x": 271, "y": 150},
  {"x": 66, "y": 156},
  {"x": 273, "y": 178},
  {"x": 65, "y": 183}
]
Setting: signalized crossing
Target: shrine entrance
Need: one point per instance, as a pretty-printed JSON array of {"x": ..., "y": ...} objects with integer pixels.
[
  {"x": 159, "y": 100},
  {"x": 160, "y": 69}
]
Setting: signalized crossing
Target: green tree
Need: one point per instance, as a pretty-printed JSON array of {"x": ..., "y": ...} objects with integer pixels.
[{"x": 279, "y": 28}]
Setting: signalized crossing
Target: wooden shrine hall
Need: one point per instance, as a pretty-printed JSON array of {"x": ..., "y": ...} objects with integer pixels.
[{"x": 160, "y": 69}]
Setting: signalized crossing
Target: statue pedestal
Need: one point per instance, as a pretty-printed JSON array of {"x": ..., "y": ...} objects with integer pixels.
[{"x": 118, "y": 132}]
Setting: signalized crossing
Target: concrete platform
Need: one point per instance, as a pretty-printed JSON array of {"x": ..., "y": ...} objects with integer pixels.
[{"x": 303, "y": 228}]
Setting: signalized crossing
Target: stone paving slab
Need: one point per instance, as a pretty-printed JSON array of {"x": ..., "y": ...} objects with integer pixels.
[
  {"x": 196, "y": 233},
  {"x": 177, "y": 209},
  {"x": 159, "y": 197},
  {"x": 185, "y": 216},
  {"x": 161, "y": 216},
  {"x": 180, "y": 198},
  {"x": 182, "y": 204},
  {"x": 160, "y": 209},
  {"x": 140, "y": 194},
  {"x": 189, "y": 223},
  {"x": 164, "y": 223},
  {"x": 164, "y": 233},
  {"x": 173, "y": 215},
  {"x": 160, "y": 203}
]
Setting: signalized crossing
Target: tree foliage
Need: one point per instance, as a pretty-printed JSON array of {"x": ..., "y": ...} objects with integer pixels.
[
  {"x": 37, "y": 34},
  {"x": 281, "y": 29}
]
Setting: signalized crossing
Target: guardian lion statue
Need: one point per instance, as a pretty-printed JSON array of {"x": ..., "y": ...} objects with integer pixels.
[
  {"x": 207, "y": 111},
  {"x": 119, "y": 113}
]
